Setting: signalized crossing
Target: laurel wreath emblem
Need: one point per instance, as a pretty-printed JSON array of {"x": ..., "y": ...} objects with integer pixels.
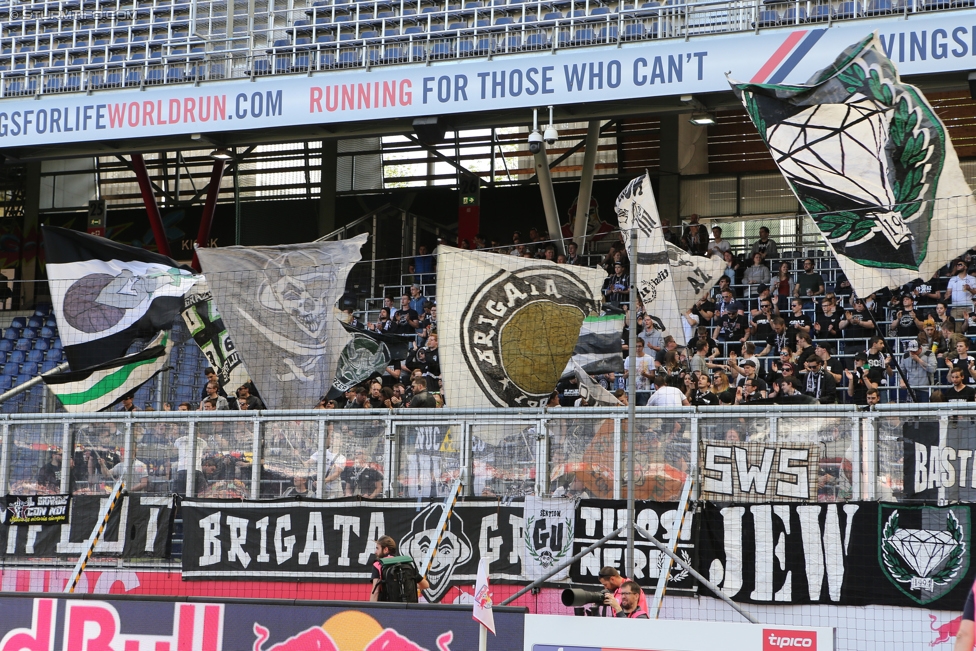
[
  {"x": 567, "y": 544},
  {"x": 683, "y": 574},
  {"x": 893, "y": 561}
]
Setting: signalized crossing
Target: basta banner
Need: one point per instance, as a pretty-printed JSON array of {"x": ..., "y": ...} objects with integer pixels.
[
  {"x": 70, "y": 624},
  {"x": 850, "y": 554},
  {"x": 138, "y": 528},
  {"x": 939, "y": 461},
  {"x": 597, "y": 518},
  {"x": 319, "y": 540}
]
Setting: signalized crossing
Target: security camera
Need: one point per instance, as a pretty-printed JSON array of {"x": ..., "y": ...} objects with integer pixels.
[
  {"x": 535, "y": 142},
  {"x": 551, "y": 135}
]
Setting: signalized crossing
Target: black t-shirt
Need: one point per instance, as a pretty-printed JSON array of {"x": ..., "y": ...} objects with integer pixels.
[
  {"x": 361, "y": 480},
  {"x": 704, "y": 399},
  {"x": 905, "y": 326},
  {"x": 875, "y": 375},
  {"x": 856, "y": 331},
  {"x": 761, "y": 327},
  {"x": 732, "y": 327},
  {"x": 968, "y": 394},
  {"x": 776, "y": 343},
  {"x": 930, "y": 286},
  {"x": 401, "y": 325},
  {"x": 826, "y": 323},
  {"x": 706, "y": 306},
  {"x": 965, "y": 365},
  {"x": 793, "y": 321}
]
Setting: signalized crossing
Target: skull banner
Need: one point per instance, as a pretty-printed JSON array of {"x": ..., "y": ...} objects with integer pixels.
[{"x": 278, "y": 305}]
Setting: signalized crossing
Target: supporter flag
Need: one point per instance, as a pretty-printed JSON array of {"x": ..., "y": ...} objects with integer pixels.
[
  {"x": 278, "y": 303},
  {"x": 367, "y": 354},
  {"x": 693, "y": 275},
  {"x": 482, "y": 598},
  {"x": 591, "y": 391},
  {"x": 206, "y": 327},
  {"x": 599, "y": 348},
  {"x": 102, "y": 386},
  {"x": 872, "y": 165},
  {"x": 106, "y": 295},
  {"x": 650, "y": 263},
  {"x": 508, "y": 325}
]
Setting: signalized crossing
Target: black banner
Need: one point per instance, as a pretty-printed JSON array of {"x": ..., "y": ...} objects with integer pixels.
[
  {"x": 35, "y": 509},
  {"x": 323, "y": 540},
  {"x": 597, "y": 518},
  {"x": 939, "y": 463},
  {"x": 139, "y": 527},
  {"x": 850, "y": 554}
]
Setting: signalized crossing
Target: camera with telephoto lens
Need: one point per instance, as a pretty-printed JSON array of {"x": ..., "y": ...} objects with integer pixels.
[{"x": 576, "y": 598}]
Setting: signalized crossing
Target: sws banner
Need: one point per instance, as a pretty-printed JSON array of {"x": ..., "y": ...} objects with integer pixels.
[
  {"x": 48, "y": 623},
  {"x": 139, "y": 527},
  {"x": 597, "y": 518},
  {"x": 758, "y": 472},
  {"x": 850, "y": 554},
  {"x": 322, "y": 540}
]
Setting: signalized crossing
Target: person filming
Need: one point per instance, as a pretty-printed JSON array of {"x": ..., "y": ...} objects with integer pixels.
[{"x": 628, "y": 607}]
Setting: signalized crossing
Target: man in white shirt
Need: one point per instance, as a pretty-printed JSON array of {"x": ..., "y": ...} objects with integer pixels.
[
  {"x": 718, "y": 246},
  {"x": 666, "y": 396},
  {"x": 645, "y": 374},
  {"x": 960, "y": 290}
]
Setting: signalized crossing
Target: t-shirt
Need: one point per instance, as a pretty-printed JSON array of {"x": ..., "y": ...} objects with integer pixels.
[
  {"x": 826, "y": 323},
  {"x": 361, "y": 480},
  {"x": 182, "y": 445},
  {"x": 732, "y": 327},
  {"x": 706, "y": 306},
  {"x": 965, "y": 365},
  {"x": 856, "y": 331},
  {"x": 704, "y": 398},
  {"x": 956, "y": 291},
  {"x": 645, "y": 364},
  {"x": 807, "y": 281},
  {"x": 401, "y": 323},
  {"x": 776, "y": 342},
  {"x": 666, "y": 397},
  {"x": 968, "y": 394},
  {"x": 761, "y": 328},
  {"x": 719, "y": 248},
  {"x": 905, "y": 326},
  {"x": 794, "y": 322}
]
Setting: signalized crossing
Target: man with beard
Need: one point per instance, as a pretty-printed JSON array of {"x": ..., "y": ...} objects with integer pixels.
[
  {"x": 386, "y": 547},
  {"x": 817, "y": 383},
  {"x": 611, "y": 581}
]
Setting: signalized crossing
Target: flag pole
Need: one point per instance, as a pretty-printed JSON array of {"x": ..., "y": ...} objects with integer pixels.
[
  {"x": 482, "y": 638},
  {"x": 894, "y": 358},
  {"x": 631, "y": 398}
]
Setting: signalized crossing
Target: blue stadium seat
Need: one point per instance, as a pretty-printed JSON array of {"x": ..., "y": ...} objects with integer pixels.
[
  {"x": 22, "y": 378},
  {"x": 16, "y": 357},
  {"x": 6, "y": 382},
  {"x": 536, "y": 42},
  {"x": 175, "y": 75},
  {"x": 48, "y": 365},
  {"x": 29, "y": 333},
  {"x": 11, "y": 368},
  {"x": 12, "y": 333},
  {"x": 633, "y": 32},
  {"x": 42, "y": 344},
  {"x": 56, "y": 343},
  {"x": 53, "y": 355},
  {"x": 847, "y": 9},
  {"x": 23, "y": 344},
  {"x": 6, "y": 345},
  {"x": 820, "y": 12},
  {"x": 28, "y": 368},
  {"x": 43, "y": 309},
  {"x": 768, "y": 17},
  {"x": 47, "y": 332},
  {"x": 35, "y": 356},
  {"x": 18, "y": 322}
]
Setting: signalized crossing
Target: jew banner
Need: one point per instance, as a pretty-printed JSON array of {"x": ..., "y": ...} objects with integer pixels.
[
  {"x": 278, "y": 303},
  {"x": 103, "y": 386},
  {"x": 508, "y": 325},
  {"x": 203, "y": 321},
  {"x": 758, "y": 472},
  {"x": 872, "y": 165},
  {"x": 139, "y": 527},
  {"x": 650, "y": 263},
  {"x": 549, "y": 536},
  {"x": 326, "y": 540},
  {"x": 939, "y": 462},
  {"x": 851, "y": 554},
  {"x": 107, "y": 295},
  {"x": 597, "y": 518}
]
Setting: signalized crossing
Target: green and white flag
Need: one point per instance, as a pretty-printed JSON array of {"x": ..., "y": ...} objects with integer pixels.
[
  {"x": 872, "y": 165},
  {"x": 102, "y": 386}
]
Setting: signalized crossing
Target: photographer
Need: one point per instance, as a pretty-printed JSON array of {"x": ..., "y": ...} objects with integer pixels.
[
  {"x": 612, "y": 582},
  {"x": 630, "y": 595}
]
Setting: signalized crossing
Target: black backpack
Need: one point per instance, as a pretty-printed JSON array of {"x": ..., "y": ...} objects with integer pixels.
[{"x": 399, "y": 579}]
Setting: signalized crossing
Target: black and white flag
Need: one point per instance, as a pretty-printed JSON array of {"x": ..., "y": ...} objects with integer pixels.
[
  {"x": 107, "y": 295},
  {"x": 366, "y": 355},
  {"x": 207, "y": 328},
  {"x": 278, "y": 303}
]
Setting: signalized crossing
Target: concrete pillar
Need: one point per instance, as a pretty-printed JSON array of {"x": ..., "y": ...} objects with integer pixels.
[
  {"x": 32, "y": 235},
  {"x": 327, "y": 187}
]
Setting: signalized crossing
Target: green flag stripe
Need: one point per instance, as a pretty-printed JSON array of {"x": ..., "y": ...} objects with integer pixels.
[{"x": 104, "y": 386}]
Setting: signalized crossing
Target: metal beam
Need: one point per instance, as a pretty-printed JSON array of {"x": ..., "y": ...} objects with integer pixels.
[
  {"x": 148, "y": 198},
  {"x": 549, "y": 198},
  {"x": 203, "y": 235},
  {"x": 450, "y": 161},
  {"x": 155, "y": 187},
  {"x": 586, "y": 183}
]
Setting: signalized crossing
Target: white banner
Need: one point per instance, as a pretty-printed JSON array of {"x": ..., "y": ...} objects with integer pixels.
[
  {"x": 937, "y": 42},
  {"x": 548, "y": 535}
]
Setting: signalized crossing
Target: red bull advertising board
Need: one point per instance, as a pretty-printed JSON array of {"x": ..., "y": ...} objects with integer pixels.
[{"x": 47, "y": 623}]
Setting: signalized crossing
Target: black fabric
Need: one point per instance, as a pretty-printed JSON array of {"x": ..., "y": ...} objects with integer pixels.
[
  {"x": 62, "y": 245},
  {"x": 398, "y": 583}
]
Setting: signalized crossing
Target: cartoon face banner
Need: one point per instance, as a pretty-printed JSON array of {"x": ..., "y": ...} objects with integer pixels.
[
  {"x": 508, "y": 325},
  {"x": 872, "y": 165},
  {"x": 852, "y": 554},
  {"x": 138, "y": 528},
  {"x": 323, "y": 540},
  {"x": 76, "y": 623},
  {"x": 278, "y": 303}
]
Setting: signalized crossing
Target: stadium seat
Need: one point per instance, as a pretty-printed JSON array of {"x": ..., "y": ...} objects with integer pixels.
[
  {"x": 48, "y": 365},
  {"x": 536, "y": 42},
  {"x": 29, "y": 333},
  {"x": 42, "y": 344},
  {"x": 18, "y": 322},
  {"x": 11, "y": 333},
  {"x": 28, "y": 368},
  {"x": 53, "y": 355},
  {"x": 820, "y": 12},
  {"x": 6, "y": 382},
  {"x": 35, "y": 322},
  {"x": 847, "y": 9},
  {"x": 16, "y": 357},
  {"x": 35, "y": 356},
  {"x": 22, "y": 379},
  {"x": 6, "y": 345},
  {"x": 56, "y": 344},
  {"x": 11, "y": 368},
  {"x": 23, "y": 344},
  {"x": 175, "y": 75},
  {"x": 768, "y": 17}
]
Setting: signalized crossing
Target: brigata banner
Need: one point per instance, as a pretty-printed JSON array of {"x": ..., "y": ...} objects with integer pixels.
[
  {"x": 927, "y": 43},
  {"x": 327, "y": 540},
  {"x": 849, "y": 554},
  {"x": 139, "y": 527},
  {"x": 131, "y": 624},
  {"x": 597, "y": 518}
]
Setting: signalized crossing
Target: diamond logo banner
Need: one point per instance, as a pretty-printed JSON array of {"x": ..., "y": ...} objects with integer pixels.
[{"x": 924, "y": 550}]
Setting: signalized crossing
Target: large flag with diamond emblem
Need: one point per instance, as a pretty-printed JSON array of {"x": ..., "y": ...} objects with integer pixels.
[
  {"x": 106, "y": 295},
  {"x": 278, "y": 303},
  {"x": 872, "y": 165},
  {"x": 507, "y": 326},
  {"x": 99, "y": 387}
]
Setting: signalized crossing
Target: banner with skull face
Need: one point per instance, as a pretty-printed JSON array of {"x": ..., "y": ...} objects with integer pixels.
[
  {"x": 278, "y": 305},
  {"x": 508, "y": 326}
]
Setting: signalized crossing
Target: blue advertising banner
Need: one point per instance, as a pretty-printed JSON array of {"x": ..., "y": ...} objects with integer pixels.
[{"x": 73, "y": 624}]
